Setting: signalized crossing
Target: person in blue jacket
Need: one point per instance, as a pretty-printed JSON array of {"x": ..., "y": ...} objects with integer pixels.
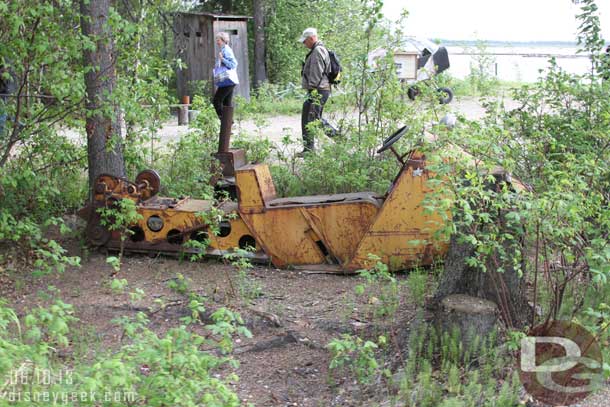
[{"x": 224, "y": 95}]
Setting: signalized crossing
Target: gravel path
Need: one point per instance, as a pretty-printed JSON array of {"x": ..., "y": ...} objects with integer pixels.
[{"x": 275, "y": 128}]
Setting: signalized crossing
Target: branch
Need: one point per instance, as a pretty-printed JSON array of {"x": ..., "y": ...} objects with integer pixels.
[
  {"x": 129, "y": 11},
  {"x": 170, "y": 25},
  {"x": 15, "y": 133}
]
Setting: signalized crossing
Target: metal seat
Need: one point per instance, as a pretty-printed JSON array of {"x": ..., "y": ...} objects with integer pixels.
[{"x": 314, "y": 200}]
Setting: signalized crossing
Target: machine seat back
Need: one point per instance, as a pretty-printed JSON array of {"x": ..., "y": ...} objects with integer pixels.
[{"x": 256, "y": 193}]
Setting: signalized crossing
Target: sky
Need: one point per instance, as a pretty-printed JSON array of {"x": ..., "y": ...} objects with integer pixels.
[{"x": 506, "y": 20}]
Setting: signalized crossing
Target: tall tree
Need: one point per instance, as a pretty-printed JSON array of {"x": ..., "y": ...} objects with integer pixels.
[
  {"x": 104, "y": 139},
  {"x": 260, "y": 69}
]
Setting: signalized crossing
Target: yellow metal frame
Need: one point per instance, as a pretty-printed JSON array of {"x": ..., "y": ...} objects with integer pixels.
[
  {"x": 336, "y": 232},
  {"x": 343, "y": 229}
]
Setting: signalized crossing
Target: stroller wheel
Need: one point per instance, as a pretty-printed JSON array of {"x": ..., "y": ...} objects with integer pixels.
[
  {"x": 412, "y": 92},
  {"x": 446, "y": 95}
]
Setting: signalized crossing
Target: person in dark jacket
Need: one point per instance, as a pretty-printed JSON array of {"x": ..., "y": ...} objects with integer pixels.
[{"x": 314, "y": 79}]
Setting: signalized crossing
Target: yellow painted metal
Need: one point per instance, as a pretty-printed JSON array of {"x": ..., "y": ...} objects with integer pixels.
[
  {"x": 338, "y": 230},
  {"x": 179, "y": 219},
  {"x": 184, "y": 219},
  {"x": 283, "y": 234},
  {"x": 295, "y": 233},
  {"x": 239, "y": 230},
  {"x": 254, "y": 188},
  {"x": 327, "y": 229},
  {"x": 402, "y": 234},
  {"x": 342, "y": 226}
]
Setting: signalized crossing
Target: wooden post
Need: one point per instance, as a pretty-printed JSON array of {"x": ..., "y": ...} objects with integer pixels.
[
  {"x": 183, "y": 115},
  {"x": 226, "y": 123}
]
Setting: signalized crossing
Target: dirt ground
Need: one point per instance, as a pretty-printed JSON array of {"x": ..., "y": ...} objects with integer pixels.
[
  {"x": 292, "y": 320},
  {"x": 275, "y": 128},
  {"x": 285, "y": 363}
]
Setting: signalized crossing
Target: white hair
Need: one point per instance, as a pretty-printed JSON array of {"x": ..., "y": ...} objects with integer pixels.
[{"x": 224, "y": 37}]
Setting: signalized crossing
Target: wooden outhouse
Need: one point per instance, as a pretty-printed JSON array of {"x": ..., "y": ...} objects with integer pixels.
[{"x": 194, "y": 39}]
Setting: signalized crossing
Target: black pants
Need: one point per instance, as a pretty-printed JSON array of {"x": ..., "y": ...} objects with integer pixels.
[
  {"x": 312, "y": 110},
  {"x": 223, "y": 97}
]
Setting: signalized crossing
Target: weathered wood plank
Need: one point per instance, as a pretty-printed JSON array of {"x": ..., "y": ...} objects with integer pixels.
[{"x": 195, "y": 45}]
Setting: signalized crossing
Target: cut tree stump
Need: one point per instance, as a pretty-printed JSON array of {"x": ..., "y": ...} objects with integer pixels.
[
  {"x": 471, "y": 316},
  {"x": 506, "y": 288}
]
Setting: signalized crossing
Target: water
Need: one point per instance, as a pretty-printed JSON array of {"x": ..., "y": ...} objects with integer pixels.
[{"x": 520, "y": 64}]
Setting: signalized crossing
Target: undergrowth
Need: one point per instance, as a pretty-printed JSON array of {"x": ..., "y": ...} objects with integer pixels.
[{"x": 42, "y": 360}]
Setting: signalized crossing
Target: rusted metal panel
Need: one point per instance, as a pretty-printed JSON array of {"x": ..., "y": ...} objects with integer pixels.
[
  {"x": 296, "y": 235},
  {"x": 254, "y": 187},
  {"x": 283, "y": 235},
  {"x": 302, "y": 230},
  {"x": 343, "y": 226},
  {"x": 248, "y": 193},
  {"x": 370, "y": 197},
  {"x": 402, "y": 232},
  {"x": 230, "y": 160}
]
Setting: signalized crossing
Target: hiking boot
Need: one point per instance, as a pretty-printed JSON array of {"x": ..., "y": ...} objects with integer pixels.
[
  {"x": 330, "y": 130},
  {"x": 302, "y": 154}
]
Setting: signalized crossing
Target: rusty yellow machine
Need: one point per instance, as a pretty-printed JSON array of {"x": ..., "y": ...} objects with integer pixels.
[{"x": 319, "y": 232}]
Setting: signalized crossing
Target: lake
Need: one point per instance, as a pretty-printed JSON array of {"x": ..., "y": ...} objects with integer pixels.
[{"x": 521, "y": 64}]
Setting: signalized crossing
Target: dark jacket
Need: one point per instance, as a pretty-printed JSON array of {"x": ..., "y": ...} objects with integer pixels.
[
  {"x": 315, "y": 68},
  {"x": 7, "y": 83}
]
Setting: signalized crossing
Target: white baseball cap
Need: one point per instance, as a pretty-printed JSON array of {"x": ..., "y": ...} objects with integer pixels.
[{"x": 309, "y": 32}]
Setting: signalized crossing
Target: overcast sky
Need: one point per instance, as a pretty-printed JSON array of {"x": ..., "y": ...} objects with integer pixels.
[{"x": 508, "y": 20}]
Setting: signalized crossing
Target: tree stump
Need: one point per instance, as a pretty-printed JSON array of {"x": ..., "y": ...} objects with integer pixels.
[
  {"x": 501, "y": 288},
  {"x": 471, "y": 316}
]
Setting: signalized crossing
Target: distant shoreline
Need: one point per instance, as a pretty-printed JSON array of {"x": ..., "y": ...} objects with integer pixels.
[
  {"x": 498, "y": 43},
  {"x": 523, "y": 54}
]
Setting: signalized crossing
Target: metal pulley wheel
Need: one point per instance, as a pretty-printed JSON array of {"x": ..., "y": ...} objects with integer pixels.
[
  {"x": 97, "y": 234},
  {"x": 152, "y": 179}
]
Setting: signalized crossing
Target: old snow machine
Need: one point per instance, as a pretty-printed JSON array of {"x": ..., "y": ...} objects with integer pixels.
[{"x": 319, "y": 232}]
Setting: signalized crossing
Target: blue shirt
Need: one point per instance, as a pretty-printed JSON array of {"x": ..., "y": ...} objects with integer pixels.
[{"x": 228, "y": 58}]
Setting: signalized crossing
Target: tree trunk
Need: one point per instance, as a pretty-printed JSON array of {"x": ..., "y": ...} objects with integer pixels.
[
  {"x": 260, "y": 70},
  {"x": 104, "y": 139},
  {"x": 506, "y": 290}
]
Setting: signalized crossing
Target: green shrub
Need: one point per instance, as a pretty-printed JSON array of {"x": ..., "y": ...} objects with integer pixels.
[
  {"x": 441, "y": 370},
  {"x": 187, "y": 165},
  {"x": 356, "y": 355},
  {"x": 149, "y": 369}
]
